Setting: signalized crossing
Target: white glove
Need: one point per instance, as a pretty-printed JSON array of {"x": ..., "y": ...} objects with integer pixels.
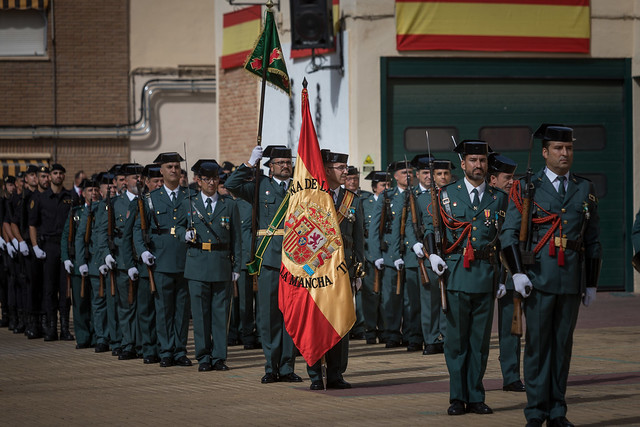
[
  {"x": 148, "y": 258},
  {"x": 502, "y": 291},
  {"x": 103, "y": 269},
  {"x": 68, "y": 265},
  {"x": 235, "y": 276},
  {"x": 133, "y": 273},
  {"x": 356, "y": 284},
  {"x": 399, "y": 264},
  {"x": 379, "y": 263},
  {"x": 111, "y": 263},
  {"x": 24, "y": 248},
  {"x": 14, "y": 242},
  {"x": 3, "y": 244},
  {"x": 84, "y": 270},
  {"x": 189, "y": 236},
  {"x": 40, "y": 254},
  {"x": 256, "y": 155},
  {"x": 522, "y": 284},
  {"x": 589, "y": 296},
  {"x": 437, "y": 264},
  {"x": 11, "y": 250},
  {"x": 418, "y": 248}
]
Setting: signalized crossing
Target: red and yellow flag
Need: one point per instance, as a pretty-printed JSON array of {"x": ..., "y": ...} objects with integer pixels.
[
  {"x": 493, "y": 25},
  {"x": 315, "y": 289},
  {"x": 238, "y": 35}
]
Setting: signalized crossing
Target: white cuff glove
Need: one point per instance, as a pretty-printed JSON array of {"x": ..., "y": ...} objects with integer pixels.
[
  {"x": 15, "y": 244},
  {"x": 148, "y": 258},
  {"x": 437, "y": 264},
  {"x": 235, "y": 276},
  {"x": 111, "y": 263},
  {"x": 256, "y": 155},
  {"x": 84, "y": 270},
  {"x": 103, "y": 269},
  {"x": 3, "y": 244},
  {"x": 418, "y": 248},
  {"x": 399, "y": 264},
  {"x": 189, "y": 236},
  {"x": 589, "y": 296},
  {"x": 379, "y": 263},
  {"x": 68, "y": 266},
  {"x": 133, "y": 273},
  {"x": 522, "y": 284},
  {"x": 40, "y": 254},
  {"x": 24, "y": 248},
  {"x": 11, "y": 250},
  {"x": 502, "y": 291}
]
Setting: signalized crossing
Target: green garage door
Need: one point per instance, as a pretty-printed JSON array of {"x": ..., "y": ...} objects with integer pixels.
[{"x": 502, "y": 102}]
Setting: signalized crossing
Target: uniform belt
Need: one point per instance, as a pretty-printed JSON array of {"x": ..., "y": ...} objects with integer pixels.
[
  {"x": 486, "y": 253},
  {"x": 265, "y": 232},
  {"x": 573, "y": 245},
  {"x": 210, "y": 247},
  {"x": 161, "y": 231}
]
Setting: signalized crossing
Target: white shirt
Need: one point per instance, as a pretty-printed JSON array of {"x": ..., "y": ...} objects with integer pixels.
[
  {"x": 286, "y": 183},
  {"x": 214, "y": 200},
  {"x": 175, "y": 191},
  {"x": 131, "y": 196},
  {"x": 553, "y": 177},
  {"x": 470, "y": 188}
]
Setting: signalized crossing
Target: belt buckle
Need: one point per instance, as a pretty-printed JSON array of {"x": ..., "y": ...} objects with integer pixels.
[
  {"x": 206, "y": 247},
  {"x": 561, "y": 242},
  {"x": 173, "y": 231}
]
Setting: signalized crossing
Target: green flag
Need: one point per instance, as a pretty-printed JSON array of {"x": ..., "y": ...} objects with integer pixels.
[{"x": 268, "y": 46}]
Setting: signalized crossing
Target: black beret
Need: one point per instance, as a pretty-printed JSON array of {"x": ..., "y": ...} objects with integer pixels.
[
  {"x": 32, "y": 169},
  {"x": 10, "y": 179},
  {"x": 58, "y": 167}
]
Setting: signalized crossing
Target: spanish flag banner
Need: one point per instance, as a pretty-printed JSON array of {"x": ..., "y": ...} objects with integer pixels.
[
  {"x": 493, "y": 25},
  {"x": 238, "y": 35},
  {"x": 315, "y": 290}
]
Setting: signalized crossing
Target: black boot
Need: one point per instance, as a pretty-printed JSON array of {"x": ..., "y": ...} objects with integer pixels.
[
  {"x": 20, "y": 322},
  {"x": 65, "y": 334},
  {"x": 33, "y": 330},
  {"x": 5, "y": 317},
  {"x": 13, "y": 318},
  {"x": 51, "y": 327}
]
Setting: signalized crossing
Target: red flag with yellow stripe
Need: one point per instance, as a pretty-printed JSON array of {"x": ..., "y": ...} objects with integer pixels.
[
  {"x": 315, "y": 289},
  {"x": 238, "y": 35}
]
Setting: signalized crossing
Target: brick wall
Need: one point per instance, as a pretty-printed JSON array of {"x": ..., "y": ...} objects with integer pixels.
[{"x": 239, "y": 104}]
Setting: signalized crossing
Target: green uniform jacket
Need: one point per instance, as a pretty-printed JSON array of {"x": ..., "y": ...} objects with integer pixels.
[
  {"x": 66, "y": 252},
  {"x": 352, "y": 234},
  {"x": 635, "y": 233},
  {"x": 392, "y": 239},
  {"x": 94, "y": 261},
  {"x": 244, "y": 209},
  {"x": 224, "y": 221},
  {"x": 546, "y": 275},
  {"x": 479, "y": 277},
  {"x": 270, "y": 198},
  {"x": 169, "y": 250},
  {"x": 368, "y": 210},
  {"x": 122, "y": 209}
]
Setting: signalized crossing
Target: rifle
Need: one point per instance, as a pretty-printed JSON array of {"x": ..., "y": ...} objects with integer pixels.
[
  {"x": 403, "y": 224},
  {"x": 386, "y": 206},
  {"x": 438, "y": 230},
  {"x": 191, "y": 227},
  {"x": 110, "y": 243},
  {"x": 416, "y": 230},
  {"x": 145, "y": 232},
  {"x": 524, "y": 241},
  {"x": 70, "y": 248},
  {"x": 87, "y": 254}
]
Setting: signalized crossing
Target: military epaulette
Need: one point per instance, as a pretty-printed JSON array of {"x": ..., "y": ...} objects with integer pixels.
[
  {"x": 573, "y": 175},
  {"x": 496, "y": 189},
  {"x": 364, "y": 194}
]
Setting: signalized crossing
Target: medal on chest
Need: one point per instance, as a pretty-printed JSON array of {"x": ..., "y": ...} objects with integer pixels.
[
  {"x": 224, "y": 222},
  {"x": 487, "y": 217}
]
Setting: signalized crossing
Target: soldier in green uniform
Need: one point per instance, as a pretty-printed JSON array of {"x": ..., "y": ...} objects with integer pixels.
[
  {"x": 172, "y": 297},
  {"x": 371, "y": 301},
  {"x": 562, "y": 268},
  {"x": 81, "y": 305},
  {"x": 432, "y": 318},
  {"x": 210, "y": 224},
  {"x": 277, "y": 345},
  {"x": 349, "y": 210},
  {"x": 501, "y": 170},
  {"x": 472, "y": 215}
]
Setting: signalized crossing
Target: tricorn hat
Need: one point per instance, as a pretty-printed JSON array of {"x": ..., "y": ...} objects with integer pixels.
[
  {"x": 421, "y": 161},
  {"x": 500, "y": 163},
  {"x": 473, "y": 146},
  {"x": 131, "y": 169},
  {"x": 377, "y": 176},
  {"x": 170, "y": 157},
  {"x": 330, "y": 157},
  {"x": 277, "y": 152},
  {"x": 152, "y": 171},
  {"x": 551, "y": 132}
]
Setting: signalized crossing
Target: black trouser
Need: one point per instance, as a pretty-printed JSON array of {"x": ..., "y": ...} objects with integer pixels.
[
  {"x": 33, "y": 277},
  {"x": 54, "y": 296},
  {"x": 15, "y": 295}
]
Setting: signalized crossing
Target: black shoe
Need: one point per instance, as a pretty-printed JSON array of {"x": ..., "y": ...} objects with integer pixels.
[
  {"x": 290, "y": 378},
  {"x": 514, "y": 386},
  {"x": 433, "y": 349},
  {"x": 371, "y": 340},
  {"x": 534, "y": 422},
  {"x": 127, "y": 355},
  {"x": 338, "y": 384},
  {"x": 269, "y": 378},
  {"x": 559, "y": 422},
  {"x": 182, "y": 361},
  {"x": 392, "y": 344},
  {"x": 357, "y": 336},
  {"x": 166, "y": 362},
  {"x": 116, "y": 351},
  {"x": 414, "y": 347},
  {"x": 81, "y": 346},
  {"x": 252, "y": 346},
  {"x": 456, "y": 408},
  {"x": 220, "y": 366},
  {"x": 205, "y": 367},
  {"x": 232, "y": 342},
  {"x": 101, "y": 348},
  {"x": 316, "y": 385},
  {"x": 479, "y": 408},
  {"x": 150, "y": 360}
]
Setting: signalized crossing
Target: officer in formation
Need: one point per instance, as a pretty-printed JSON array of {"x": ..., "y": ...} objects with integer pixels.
[
  {"x": 564, "y": 232},
  {"x": 635, "y": 238}
]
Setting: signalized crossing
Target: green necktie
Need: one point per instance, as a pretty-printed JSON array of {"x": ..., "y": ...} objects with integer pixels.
[
  {"x": 474, "y": 199},
  {"x": 561, "y": 190},
  {"x": 208, "y": 205}
]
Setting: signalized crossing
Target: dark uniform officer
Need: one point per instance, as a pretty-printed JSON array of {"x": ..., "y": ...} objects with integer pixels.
[
  {"x": 635, "y": 239},
  {"x": 277, "y": 345},
  {"x": 172, "y": 298},
  {"x": 473, "y": 213},
  {"x": 210, "y": 224},
  {"x": 349, "y": 211},
  {"x": 565, "y": 242},
  {"x": 14, "y": 287},
  {"x": 47, "y": 218}
]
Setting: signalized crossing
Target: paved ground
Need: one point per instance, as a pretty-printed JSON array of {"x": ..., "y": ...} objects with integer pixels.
[{"x": 54, "y": 384}]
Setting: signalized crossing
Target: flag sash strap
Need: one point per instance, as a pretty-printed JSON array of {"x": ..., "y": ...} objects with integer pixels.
[
  {"x": 343, "y": 210},
  {"x": 254, "y": 267}
]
